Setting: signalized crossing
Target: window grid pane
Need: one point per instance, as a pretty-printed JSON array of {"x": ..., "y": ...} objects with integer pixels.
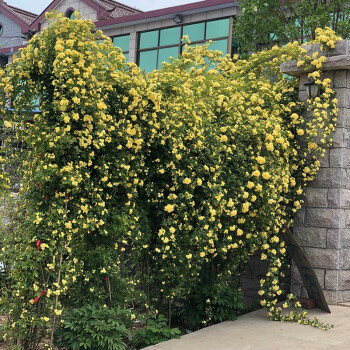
[
  {"x": 148, "y": 60},
  {"x": 195, "y": 31},
  {"x": 158, "y": 45},
  {"x": 164, "y": 54},
  {"x": 217, "y": 29},
  {"x": 122, "y": 42},
  {"x": 170, "y": 36},
  {"x": 149, "y": 39}
]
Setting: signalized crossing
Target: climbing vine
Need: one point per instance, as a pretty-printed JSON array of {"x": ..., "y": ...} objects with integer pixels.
[{"x": 134, "y": 189}]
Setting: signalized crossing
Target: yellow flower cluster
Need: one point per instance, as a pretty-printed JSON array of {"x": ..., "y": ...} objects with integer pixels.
[{"x": 187, "y": 170}]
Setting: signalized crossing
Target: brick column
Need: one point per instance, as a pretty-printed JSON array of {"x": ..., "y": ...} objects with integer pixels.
[{"x": 322, "y": 225}]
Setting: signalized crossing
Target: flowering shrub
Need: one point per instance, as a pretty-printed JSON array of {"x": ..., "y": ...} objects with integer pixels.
[{"x": 135, "y": 188}]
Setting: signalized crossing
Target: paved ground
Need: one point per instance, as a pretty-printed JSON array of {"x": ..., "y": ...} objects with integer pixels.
[{"x": 254, "y": 331}]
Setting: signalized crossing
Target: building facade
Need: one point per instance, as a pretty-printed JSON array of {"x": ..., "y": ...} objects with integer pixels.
[{"x": 146, "y": 38}]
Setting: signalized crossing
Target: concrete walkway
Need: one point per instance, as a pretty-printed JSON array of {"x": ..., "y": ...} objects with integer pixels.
[{"x": 254, "y": 331}]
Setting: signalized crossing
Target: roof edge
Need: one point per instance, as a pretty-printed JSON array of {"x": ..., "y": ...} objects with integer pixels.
[{"x": 165, "y": 12}]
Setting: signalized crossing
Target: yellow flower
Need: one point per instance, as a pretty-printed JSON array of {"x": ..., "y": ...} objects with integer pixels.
[
  {"x": 250, "y": 184},
  {"x": 223, "y": 138},
  {"x": 169, "y": 208},
  {"x": 260, "y": 160},
  {"x": 256, "y": 173},
  {"x": 101, "y": 105},
  {"x": 187, "y": 181},
  {"x": 269, "y": 147},
  {"x": 266, "y": 175},
  {"x": 199, "y": 182},
  {"x": 245, "y": 207},
  {"x": 230, "y": 203}
]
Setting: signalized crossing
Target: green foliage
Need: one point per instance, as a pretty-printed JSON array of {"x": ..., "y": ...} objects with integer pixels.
[
  {"x": 94, "y": 327},
  {"x": 214, "y": 299},
  {"x": 264, "y": 23},
  {"x": 133, "y": 186},
  {"x": 155, "y": 331}
]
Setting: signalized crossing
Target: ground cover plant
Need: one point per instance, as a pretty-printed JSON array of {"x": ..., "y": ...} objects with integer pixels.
[{"x": 135, "y": 189}]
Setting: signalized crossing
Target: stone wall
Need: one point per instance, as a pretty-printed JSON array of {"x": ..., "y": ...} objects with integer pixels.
[
  {"x": 11, "y": 35},
  {"x": 322, "y": 225},
  {"x": 85, "y": 10}
]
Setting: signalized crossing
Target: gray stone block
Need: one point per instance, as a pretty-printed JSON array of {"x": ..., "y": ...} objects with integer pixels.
[
  {"x": 346, "y": 158},
  {"x": 299, "y": 217},
  {"x": 323, "y": 258},
  {"x": 346, "y": 136},
  {"x": 334, "y": 195},
  {"x": 332, "y": 297},
  {"x": 343, "y": 118},
  {"x": 345, "y": 178},
  {"x": 348, "y": 78},
  {"x": 316, "y": 197},
  {"x": 338, "y": 138},
  {"x": 322, "y": 217},
  {"x": 320, "y": 274},
  {"x": 311, "y": 48},
  {"x": 336, "y": 157},
  {"x": 345, "y": 218},
  {"x": 333, "y": 238},
  {"x": 345, "y": 296},
  {"x": 324, "y": 161},
  {"x": 340, "y": 79},
  {"x": 328, "y": 178},
  {"x": 331, "y": 279},
  {"x": 341, "y": 48},
  {"x": 345, "y": 198},
  {"x": 311, "y": 236},
  {"x": 344, "y": 256},
  {"x": 344, "y": 279},
  {"x": 343, "y": 97},
  {"x": 345, "y": 238}
]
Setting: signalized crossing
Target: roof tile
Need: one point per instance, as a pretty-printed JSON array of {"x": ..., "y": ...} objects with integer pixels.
[{"x": 25, "y": 16}]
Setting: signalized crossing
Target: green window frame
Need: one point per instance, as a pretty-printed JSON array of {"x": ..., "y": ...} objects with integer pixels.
[{"x": 157, "y": 43}]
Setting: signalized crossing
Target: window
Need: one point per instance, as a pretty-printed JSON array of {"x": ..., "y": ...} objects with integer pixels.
[
  {"x": 156, "y": 46},
  {"x": 1, "y": 29},
  {"x": 69, "y": 13},
  {"x": 123, "y": 42}
]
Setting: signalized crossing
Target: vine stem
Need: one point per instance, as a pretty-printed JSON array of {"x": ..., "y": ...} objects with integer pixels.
[
  {"x": 56, "y": 303},
  {"x": 58, "y": 284}
]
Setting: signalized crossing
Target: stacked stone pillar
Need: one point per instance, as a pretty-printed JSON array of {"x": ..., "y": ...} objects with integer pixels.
[{"x": 322, "y": 225}]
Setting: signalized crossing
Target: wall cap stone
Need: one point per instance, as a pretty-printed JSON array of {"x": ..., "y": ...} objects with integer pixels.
[{"x": 337, "y": 58}]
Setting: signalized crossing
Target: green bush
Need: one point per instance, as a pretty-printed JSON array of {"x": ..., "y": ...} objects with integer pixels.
[
  {"x": 156, "y": 331},
  {"x": 214, "y": 299},
  {"x": 94, "y": 327}
]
